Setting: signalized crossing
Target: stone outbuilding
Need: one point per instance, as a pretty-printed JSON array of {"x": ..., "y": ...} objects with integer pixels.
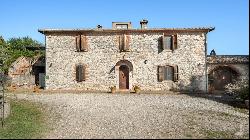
[
  {"x": 225, "y": 69},
  {"x": 27, "y": 72}
]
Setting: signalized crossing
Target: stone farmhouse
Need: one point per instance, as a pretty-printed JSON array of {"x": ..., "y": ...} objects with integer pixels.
[{"x": 154, "y": 59}]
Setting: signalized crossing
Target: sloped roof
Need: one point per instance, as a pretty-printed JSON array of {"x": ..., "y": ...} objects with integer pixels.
[{"x": 195, "y": 29}]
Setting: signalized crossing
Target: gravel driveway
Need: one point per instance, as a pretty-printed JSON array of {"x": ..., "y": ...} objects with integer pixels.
[{"x": 103, "y": 115}]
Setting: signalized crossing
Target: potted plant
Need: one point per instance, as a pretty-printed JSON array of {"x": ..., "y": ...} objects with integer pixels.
[
  {"x": 137, "y": 89},
  {"x": 113, "y": 89}
]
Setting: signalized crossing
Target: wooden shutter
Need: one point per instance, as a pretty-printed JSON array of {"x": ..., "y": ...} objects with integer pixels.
[
  {"x": 84, "y": 45},
  {"x": 78, "y": 73},
  {"x": 127, "y": 39},
  {"x": 176, "y": 73},
  {"x": 84, "y": 73},
  {"x": 174, "y": 42},
  {"x": 163, "y": 42},
  {"x": 78, "y": 43},
  {"x": 121, "y": 42},
  {"x": 160, "y": 73}
]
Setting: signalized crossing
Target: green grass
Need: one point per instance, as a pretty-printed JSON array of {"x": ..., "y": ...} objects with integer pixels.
[
  {"x": 212, "y": 134},
  {"x": 25, "y": 121}
]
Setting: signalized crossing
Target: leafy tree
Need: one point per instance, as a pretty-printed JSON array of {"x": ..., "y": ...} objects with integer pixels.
[{"x": 21, "y": 43}]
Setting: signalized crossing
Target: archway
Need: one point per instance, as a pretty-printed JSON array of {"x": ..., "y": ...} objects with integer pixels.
[
  {"x": 221, "y": 76},
  {"x": 124, "y": 70}
]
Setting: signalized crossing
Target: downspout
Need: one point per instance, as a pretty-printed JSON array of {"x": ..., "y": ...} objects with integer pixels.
[
  {"x": 45, "y": 57},
  {"x": 206, "y": 63}
]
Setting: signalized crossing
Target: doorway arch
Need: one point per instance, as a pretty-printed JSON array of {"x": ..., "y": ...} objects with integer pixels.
[
  {"x": 124, "y": 74},
  {"x": 220, "y": 76}
]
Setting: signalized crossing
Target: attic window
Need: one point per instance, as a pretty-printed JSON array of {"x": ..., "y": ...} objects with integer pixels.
[{"x": 121, "y": 25}]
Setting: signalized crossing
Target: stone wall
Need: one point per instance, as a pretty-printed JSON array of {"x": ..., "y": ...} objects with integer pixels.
[
  {"x": 20, "y": 73},
  {"x": 238, "y": 63},
  {"x": 24, "y": 71},
  {"x": 104, "y": 53}
]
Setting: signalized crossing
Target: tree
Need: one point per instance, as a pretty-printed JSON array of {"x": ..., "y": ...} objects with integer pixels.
[{"x": 22, "y": 43}]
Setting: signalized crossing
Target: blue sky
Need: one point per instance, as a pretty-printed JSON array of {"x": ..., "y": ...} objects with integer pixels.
[{"x": 19, "y": 18}]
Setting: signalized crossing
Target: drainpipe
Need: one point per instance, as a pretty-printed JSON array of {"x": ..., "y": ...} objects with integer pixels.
[
  {"x": 45, "y": 62},
  {"x": 206, "y": 63}
]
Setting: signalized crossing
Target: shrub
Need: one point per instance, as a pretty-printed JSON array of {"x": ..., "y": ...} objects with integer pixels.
[
  {"x": 113, "y": 89},
  {"x": 240, "y": 89},
  {"x": 137, "y": 89}
]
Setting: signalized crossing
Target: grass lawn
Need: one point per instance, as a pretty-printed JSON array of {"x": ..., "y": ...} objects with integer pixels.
[{"x": 25, "y": 121}]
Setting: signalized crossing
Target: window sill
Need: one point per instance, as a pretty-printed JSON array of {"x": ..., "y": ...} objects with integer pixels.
[
  {"x": 168, "y": 50},
  {"x": 125, "y": 50}
]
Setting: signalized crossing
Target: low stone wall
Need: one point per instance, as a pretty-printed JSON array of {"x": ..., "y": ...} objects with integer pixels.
[{"x": 238, "y": 63}]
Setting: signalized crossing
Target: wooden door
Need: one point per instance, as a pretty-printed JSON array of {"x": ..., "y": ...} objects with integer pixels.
[{"x": 123, "y": 77}]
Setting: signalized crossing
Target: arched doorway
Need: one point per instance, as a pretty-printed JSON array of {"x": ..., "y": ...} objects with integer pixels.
[
  {"x": 123, "y": 77},
  {"x": 124, "y": 73},
  {"x": 221, "y": 76}
]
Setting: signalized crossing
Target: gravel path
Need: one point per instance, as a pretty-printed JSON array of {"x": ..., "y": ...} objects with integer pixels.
[{"x": 102, "y": 115}]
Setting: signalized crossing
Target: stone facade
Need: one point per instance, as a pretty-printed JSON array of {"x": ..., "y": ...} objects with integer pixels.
[{"x": 145, "y": 56}]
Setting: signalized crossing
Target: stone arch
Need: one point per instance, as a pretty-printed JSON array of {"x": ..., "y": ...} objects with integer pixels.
[
  {"x": 125, "y": 62},
  {"x": 222, "y": 75},
  {"x": 118, "y": 66},
  {"x": 224, "y": 66}
]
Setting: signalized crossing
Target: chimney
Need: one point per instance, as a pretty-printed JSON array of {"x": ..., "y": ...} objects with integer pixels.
[
  {"x": 99, "y": 27},
  {"x": 144, "y": 23}
]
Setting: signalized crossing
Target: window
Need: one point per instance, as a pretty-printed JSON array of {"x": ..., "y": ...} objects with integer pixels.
[
  {"x": 124, "y": 41},
  {"x": 80, "y": 73},
  {"x": 81, "y": 43},
  {"x": 169, "y": 42},
  {"x": 167, "y": 73},
  {"x": 121, "y": 26}
]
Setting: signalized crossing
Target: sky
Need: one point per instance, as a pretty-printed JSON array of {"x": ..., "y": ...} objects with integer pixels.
[{"x": 20, "y": 18}]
